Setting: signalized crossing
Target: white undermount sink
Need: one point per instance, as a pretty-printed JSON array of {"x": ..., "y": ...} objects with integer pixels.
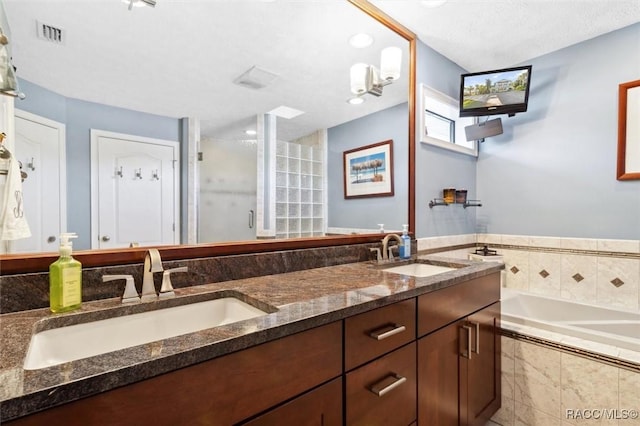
[
  {"x": 64, "y": 344},
  {"x": 419, "y": 269}
]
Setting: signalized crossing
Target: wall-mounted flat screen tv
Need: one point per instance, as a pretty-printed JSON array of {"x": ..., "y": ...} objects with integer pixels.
[{"x": 504, "y": 91}]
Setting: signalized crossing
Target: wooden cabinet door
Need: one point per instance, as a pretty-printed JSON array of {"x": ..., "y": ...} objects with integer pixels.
[
  {"x": 438, "y": 377},
  {"x": 480, "y": 371},
  {"x": 319, "y": 407}
]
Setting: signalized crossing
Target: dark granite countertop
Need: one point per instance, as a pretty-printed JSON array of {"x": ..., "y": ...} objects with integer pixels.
[{"x": 298, "y": 301}]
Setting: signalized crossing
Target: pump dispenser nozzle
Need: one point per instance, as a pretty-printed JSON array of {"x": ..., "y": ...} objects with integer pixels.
[{"x": 65, "y": 243}]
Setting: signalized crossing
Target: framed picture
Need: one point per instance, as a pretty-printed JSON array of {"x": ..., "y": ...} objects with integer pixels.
[
  {"x": 368, "y": 171},
  {"x": 629, "y": 131}
]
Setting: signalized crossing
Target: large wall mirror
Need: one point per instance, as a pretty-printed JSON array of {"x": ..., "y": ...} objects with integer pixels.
[{"x": 190, "y": 71}]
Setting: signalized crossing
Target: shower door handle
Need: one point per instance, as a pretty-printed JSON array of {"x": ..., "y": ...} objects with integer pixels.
[{"x": 251, "y": 219}]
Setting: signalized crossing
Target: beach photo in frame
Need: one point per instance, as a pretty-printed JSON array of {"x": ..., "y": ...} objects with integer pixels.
[{"x": 368, "y": 171}]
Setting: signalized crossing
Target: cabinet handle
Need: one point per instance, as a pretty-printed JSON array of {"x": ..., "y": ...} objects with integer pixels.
[
  {"x": 477, "y": 325},
  {"x": 383, "y": 386},
  {"x": 467, "y": 353},
  {"x": 384, "y": 332}
]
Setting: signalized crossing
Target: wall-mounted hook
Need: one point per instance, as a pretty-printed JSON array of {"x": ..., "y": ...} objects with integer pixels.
[
  {"x": 138, "y": 174},
  {"x": 119, "y": 171},
  {"x": 155, "y": 175},
  {"x": 31, "y": 166}
]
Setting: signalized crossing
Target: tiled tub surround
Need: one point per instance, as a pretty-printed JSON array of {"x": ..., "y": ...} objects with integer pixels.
[
  {"x": 543, "y": 385},
  {"x": 546, "y": 373},
  {"x": 304, "y": 299}
]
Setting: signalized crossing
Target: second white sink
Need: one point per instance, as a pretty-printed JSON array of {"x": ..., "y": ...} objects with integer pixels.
[
  {"x": 419, "y": 269},
  {"x": 64, "y": 344}
]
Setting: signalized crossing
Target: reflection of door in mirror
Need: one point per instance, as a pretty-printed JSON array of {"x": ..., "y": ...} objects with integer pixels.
[
  {"x": 227, "y": 196},
  {"x": 134, "y": 197},
  {"x": 40, "y": 145}
]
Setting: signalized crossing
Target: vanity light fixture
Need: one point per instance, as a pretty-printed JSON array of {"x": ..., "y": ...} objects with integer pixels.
[
  {"x": 367, "y": 78},
  {"x": 139, "y": 3}
]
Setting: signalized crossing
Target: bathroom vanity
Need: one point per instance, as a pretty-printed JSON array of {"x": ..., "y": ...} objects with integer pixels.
[{"x": 348, "y": 344}]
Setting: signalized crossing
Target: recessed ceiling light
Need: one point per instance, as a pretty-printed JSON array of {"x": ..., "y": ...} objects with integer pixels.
[
  {"x": 250, "y": 132},
  {"x": 356, "y": 101},
  {"x": 361, "y": 40},
  {"x": 433, "y": 3}
]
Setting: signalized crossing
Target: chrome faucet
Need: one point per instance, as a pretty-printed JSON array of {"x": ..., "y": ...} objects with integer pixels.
[
  {"x": 152, "y": 263},
  {"x": 386, "y": 250}
]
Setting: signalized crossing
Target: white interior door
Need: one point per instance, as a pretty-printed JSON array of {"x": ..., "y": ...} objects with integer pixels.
[
  {"x": 39, "y": 146},
  {"x": 135, "y": 192}
]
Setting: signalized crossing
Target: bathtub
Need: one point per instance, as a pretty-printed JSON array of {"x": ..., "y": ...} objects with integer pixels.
[{"x": 590, "y": 322}]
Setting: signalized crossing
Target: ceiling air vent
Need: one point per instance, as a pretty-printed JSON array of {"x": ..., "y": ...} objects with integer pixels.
[
  {"x": 256, "y": 78},
  {"x": 50, "y": 33}
]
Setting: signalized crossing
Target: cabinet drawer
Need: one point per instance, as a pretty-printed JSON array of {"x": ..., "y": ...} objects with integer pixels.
[
  {"x": 377, "y": 332},
  {"x": 383, "y": 392},
  {"x": 442, "y": 307}
]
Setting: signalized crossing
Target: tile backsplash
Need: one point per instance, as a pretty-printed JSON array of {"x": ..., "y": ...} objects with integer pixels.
[{"x": 596, "y": 271}]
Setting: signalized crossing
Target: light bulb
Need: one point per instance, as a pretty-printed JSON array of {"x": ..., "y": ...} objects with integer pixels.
[
  {"x": 358, "y": 75},
  {"x": 390, "y": 63}
]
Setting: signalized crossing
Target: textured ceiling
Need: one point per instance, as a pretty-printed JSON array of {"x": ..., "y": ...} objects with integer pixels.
[
  {"x": 180, "y": 58},
  {"x": 482, "y": 35}
]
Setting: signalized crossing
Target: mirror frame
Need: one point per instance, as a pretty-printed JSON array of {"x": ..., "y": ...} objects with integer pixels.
[
  {"x": 31, "y": 263},
  {"x": 623, "y": 140}
]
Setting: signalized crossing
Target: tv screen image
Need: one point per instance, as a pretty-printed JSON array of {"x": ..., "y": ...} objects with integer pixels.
[{"x": 504, "y": 91}]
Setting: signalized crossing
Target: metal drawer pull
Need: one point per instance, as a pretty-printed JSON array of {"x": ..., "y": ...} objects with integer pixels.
[
  {"x": 383, "y": 386},
  {"x": 467, "y": 353},
  {"x": 477, "y": 325},
  {"x": 387, "y": 331}
]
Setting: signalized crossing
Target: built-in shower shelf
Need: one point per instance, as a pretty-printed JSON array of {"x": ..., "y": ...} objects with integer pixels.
[{"x": 441, "y": 202}]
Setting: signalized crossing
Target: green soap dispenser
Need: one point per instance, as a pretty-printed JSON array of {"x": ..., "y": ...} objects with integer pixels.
[{"x": 65, "y": 279}]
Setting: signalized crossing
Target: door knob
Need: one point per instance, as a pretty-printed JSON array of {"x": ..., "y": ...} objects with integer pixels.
[
  {"x": 106, "y": 238},
  {"x": 51, "y": 239}
]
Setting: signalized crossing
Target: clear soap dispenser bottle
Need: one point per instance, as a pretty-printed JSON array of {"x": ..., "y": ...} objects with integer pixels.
[
  {"x": 405, "y": 247},
  {"x": 65, "y": 279}
]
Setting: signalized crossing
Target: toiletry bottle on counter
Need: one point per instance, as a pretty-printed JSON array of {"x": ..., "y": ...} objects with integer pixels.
[
  {"x": 65, "y": 279},
  {"x": 405, "y": 247}
]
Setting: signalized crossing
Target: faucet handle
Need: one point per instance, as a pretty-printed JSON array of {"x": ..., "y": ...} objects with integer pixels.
[
  {"x": 130, "y": 294},
  {"x": 378, "y": 253},
  {"x": 166, "y": 290},
  {"x": 390, "y": 250}
]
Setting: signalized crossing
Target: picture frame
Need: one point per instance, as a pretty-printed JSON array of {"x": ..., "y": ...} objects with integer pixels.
[
  {"x": 368, "y": 171},
  {"x": 628, "y": 159}
]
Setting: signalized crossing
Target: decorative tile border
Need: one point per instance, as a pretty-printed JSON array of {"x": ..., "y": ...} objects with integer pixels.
[{"x": 584, "y": 353}]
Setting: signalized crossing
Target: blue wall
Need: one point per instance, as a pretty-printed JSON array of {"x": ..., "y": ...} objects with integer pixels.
[
  {"x": 553, "y": 171},
  {"x": 80, "y": 117},
  {"x": 438, "y": 168},
  {"x": 368, "y": 212}
]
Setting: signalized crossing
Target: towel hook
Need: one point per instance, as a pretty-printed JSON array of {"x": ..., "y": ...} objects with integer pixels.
[
  {"x": 31, "y": 166},
  {"x": 119, "y": 171}
]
